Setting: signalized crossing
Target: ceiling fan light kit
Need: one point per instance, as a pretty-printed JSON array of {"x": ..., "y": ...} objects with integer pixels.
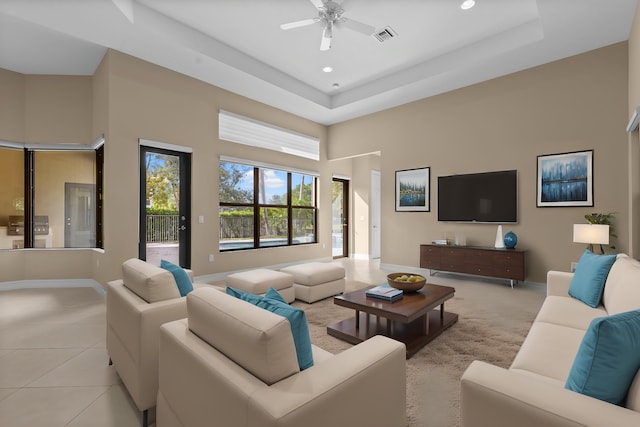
[
  {"x": 330, "y": 14},
  {"x": 467, "y": 4}
]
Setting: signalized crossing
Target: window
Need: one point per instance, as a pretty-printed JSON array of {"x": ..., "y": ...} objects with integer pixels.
[
  {"x": 303, "y": 202},
  {"x": 11, "y": 196},
  {"x": 262, "y": 206},
  {"x": 64, "y": 197},
  {"x": 52, "y": 199}
]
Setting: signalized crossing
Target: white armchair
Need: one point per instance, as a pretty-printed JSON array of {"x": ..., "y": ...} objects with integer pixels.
[
  {"x": 231, "y": 363},
  {"x": 137, "y": 305}
]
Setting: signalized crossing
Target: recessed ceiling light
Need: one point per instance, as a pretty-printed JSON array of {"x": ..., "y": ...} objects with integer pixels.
[
  {"x": 467, "y": 4},
  {"x": 327, "y": 69}
]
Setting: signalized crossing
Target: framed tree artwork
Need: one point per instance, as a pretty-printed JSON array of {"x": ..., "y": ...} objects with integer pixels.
[
  {"x": 413, "y": 190},
  {"x": 565, "y": 179}
]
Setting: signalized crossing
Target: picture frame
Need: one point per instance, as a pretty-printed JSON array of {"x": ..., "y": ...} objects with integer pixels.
[
  {"x": 413, "y": 190},
  {"x": 565, "y": 179}
]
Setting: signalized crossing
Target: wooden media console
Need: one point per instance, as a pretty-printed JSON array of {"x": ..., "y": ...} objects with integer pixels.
[{"x": 482, "y": 261}]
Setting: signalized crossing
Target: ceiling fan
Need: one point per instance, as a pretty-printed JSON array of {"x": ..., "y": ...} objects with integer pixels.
[{"x": 330, "y": 14}]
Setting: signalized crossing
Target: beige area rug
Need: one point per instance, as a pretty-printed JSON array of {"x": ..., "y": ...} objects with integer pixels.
[{"x": 493, "y": 321}]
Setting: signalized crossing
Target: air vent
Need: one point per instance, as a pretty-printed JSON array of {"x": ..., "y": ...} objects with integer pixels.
[{"x": 385, "y": 34}]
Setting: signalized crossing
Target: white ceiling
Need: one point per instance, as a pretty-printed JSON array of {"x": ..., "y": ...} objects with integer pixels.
[{"x": 238, "y": 44}]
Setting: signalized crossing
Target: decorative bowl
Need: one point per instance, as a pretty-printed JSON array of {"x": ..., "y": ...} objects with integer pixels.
[{"x": 405, "y": 286}]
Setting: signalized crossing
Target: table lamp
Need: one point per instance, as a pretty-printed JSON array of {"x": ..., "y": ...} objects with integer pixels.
[{"x": 593, "y": 234}]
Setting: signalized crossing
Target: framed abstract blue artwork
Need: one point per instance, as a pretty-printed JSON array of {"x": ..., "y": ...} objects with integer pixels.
[{"x": 565, "y": 179}]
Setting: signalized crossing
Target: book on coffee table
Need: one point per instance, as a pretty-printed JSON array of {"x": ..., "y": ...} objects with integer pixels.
[{"x": 384, "y": 292}]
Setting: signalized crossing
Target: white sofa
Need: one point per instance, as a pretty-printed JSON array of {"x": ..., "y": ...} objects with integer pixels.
[
  {"x": 531, "y": 392},
  {"x": 231, "y": 364}
]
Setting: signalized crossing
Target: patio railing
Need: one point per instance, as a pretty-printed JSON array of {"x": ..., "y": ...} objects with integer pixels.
[
  {"x": 165, "y": 228},
  {"x": 162, "y": 228},
  {"x": 242, "y": 227}
]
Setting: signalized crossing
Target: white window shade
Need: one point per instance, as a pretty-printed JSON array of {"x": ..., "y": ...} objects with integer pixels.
[
  {"x": 243, "y": 130},
  {"x": 265, "y": 165}
]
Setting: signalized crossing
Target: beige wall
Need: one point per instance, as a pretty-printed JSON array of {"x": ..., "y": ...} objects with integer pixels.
[
  {"x": 58, "y": 109},
  {"x": 149, "y": 102},
  {"x": 633, "y": 141},
  {"x": 578, "y": 103},
  {"x": 102, "y": 264},
  {"x": 12, "y": 105},
  {"x": 128, "y": 99},
  {"x": 45, "y": 109},
  {"x": 574, "y": 104}
]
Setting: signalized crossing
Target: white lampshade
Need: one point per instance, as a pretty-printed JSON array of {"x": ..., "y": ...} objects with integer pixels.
[{"x": 591, "y": 233}]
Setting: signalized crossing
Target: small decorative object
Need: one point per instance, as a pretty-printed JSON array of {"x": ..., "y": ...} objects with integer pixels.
[
  {"x": 499, "y": 239},
  {"x": 406, "y": 281},
  {"x": 565, "y": 179},
  {"x": 510, "y": 240},
  {"x": 412, "y": 190}
]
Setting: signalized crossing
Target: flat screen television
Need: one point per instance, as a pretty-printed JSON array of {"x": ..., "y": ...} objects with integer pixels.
[{"x": 479, "y": 197}]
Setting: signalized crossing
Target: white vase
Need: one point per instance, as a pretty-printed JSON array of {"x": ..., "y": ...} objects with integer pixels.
[{"x": 499, "y": 238}]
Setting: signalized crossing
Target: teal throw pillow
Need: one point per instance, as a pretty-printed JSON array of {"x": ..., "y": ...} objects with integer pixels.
[
  {"x": 298, "y": 321},
  {"x": 246, "y": 296},
  {"x": 182, "y": 278},
  {"x": 608, "y": 358},
  {"x": 273, "y": 294},
  {"x": 253, "y": 298},
  {"x": 297, "y": 318},
  {"x": 590, "y": 276}
]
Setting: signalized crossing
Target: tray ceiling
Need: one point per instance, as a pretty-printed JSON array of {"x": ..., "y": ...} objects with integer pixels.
[{"x": 239, "y": 45}]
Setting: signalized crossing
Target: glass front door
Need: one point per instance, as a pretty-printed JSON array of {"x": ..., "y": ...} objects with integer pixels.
[
  {"x": 340, "y": 215},
  {"x": 165, "y": 217}
]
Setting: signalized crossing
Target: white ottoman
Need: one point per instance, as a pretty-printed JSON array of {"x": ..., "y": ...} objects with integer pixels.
[
  {"x": 314, "y": 281},
  {"x": 259, "y": 281}
]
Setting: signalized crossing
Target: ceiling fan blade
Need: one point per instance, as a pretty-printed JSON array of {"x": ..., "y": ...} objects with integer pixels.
[
  {"x": 325, "y": 44},
  {"x": 327, "y": 35},
  {"x": 297, "y": 24},
  {"x": 318, "y": 4},
  {"x": 358, "y": 26}
]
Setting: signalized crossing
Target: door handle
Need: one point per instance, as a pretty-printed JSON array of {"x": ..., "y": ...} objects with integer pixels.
[{"x": 183, "y": 227}]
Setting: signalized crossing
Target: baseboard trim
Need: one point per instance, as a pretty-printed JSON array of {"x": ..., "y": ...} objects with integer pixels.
[
  {"x": 404, "y": 268},
  {"x": 427, "y": 273},
  {"x": 52, "y": 283}
]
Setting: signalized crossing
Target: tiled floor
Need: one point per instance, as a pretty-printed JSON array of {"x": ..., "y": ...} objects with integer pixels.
[
  {"x": 54, "y": 365},
  {"x": 53, "y": 360}
]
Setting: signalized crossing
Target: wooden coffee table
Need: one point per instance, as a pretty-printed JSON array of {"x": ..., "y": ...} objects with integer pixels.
[{"x": 412, "y": 320}]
